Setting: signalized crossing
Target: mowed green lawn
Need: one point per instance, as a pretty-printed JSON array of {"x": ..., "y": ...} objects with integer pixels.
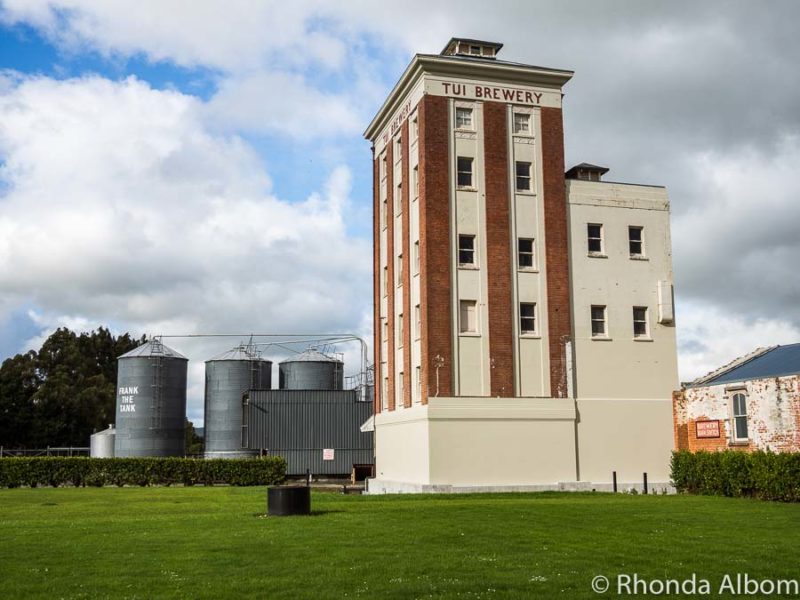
[{"x": 216, "y": 543}]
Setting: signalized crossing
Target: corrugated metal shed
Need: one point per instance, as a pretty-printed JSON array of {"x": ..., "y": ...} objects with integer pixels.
[
  {"x": 779, "y": 361},
  {"x": 301, "y": 425}
]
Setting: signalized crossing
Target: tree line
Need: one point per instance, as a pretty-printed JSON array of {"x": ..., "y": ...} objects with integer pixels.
[{"x": 63, "y": 393}]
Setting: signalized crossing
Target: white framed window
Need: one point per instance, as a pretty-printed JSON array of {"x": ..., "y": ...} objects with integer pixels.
[
  {"x": 523, "y": 176},
  {"x": 384, "y": 210},
  {"x": 386, "y": 281},
  {"x": 527, "y": 318},
  {"x": 522, "y": 123},
  {"x": 468, "y": 317},
  {"x": 400, "y": 330},
  {"x": 464, "y": 174},
  {"x": 414, "y": 128},
  {"x": 398, "y": 149},
  {"x": 525, "y": 257},
  {"x": 400, "y": 387},
  {"x": 385, "y": 393},
  {"x": 399, "y": 270},
  {"x": 383, "y": 166},
  {"x": 598, "y": 315},
  {"x": 398, "y": 199},
  {"x": 415, "y": 180},
  {"x": 463, "y": 118},
  {"x": 641, "y": 326},
  {"x": 385, "y": 328},
  {"x": 417, "y": 322},
  {"x": 415, "y": 256},
  {"x": 740, "y": 433},
  {"x": 636, "y": 241},
  {"x": 594, "y": 236},
  {"x": 418, "y": 381},
  {"x": 466, "y": 250}
]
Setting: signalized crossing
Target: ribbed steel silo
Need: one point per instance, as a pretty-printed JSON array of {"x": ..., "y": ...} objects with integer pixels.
[
  {"x": 228, "y": 377},
  {"x": 311, "y": 370},
  {"x": 101, "y": 444},
  {"x": 151, "y": 402}
]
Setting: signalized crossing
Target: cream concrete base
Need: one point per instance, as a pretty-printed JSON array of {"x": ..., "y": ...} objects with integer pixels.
[
  {"x": 455, "y": 445},
  {"x": 381, "y": 486}
]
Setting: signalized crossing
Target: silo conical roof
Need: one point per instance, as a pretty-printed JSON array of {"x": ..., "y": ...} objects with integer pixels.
[
  {"x": 153, "y": 348},
  {"x": 238, "y": 353},
  {"x": 311, "y": 355}
]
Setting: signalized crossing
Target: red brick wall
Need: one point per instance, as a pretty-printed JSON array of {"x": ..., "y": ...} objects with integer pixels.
[
  {"x": 390, "y": 284},
  {"x": 498, "y": 250},
  {"x": 556, "y": 251},
  {"x": 376, "y": 278},
  {"x": 434, "y": 222},
  {"x": 407, "y": 316}
]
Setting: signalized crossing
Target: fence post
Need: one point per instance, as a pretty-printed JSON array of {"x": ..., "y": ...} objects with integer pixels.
[
  {"x": 614, "y": 477},
  {"x": 645, "y": 483}
]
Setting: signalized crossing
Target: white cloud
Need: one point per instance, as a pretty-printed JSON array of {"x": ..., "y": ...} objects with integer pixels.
[
  {"x": 122, "y": 208},
  {"x": 710, "y": 337}
]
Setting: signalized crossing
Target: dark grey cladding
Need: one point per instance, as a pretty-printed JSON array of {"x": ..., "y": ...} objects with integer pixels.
[
  {"x": 301, "y": 425},
  {"x": 311, "y": 370},
  {"x": 151, "y": 402},
  {"x": 228, "y": 377}
]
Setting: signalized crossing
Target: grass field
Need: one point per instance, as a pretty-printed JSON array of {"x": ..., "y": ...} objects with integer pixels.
[{"x": 216, "y": 543}]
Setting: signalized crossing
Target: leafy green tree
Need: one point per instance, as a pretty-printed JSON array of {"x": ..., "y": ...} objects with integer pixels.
[{"x": 62, "y": 394}]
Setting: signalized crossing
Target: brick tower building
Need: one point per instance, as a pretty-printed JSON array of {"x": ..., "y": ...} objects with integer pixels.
[{"x": 511, "y": 300}]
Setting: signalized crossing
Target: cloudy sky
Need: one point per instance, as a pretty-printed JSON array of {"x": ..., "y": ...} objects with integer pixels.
[{"x": 192, "y": 166}]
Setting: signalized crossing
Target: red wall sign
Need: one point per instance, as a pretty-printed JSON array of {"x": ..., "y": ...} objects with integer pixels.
[{"x": 707, "y": 429}]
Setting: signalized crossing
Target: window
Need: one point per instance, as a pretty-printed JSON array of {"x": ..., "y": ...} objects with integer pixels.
[
  {"x": 398, "y": 149},
  {"x": 464, "y": 168},
  {"x": 525, "y": 253},
  {"x": 636, "y": 241},
  {"x": 595, "y": 237},
  {"x": 385, "y": 328},
  {"x": 466, "y": 250},
  {"x": 416, "y": 257},
  {"x": 400, "y": 330},
  {"x": 417, "y": 322},
  {"x": 384, "y": 210},
  {"x": 399, "y": 270},
  {"x": 398, "y": 199},
  {"x": 640, "y": 325},
  {"x": 418, "y": 381},
  {"x": 522, "y": 123},
  {"x": 463, "y": 118},
  {"x": 527, "y": 317},
  {"x": 523, "y": 176},
  {"x": 739, "y": 417},
  {"x": 383, "y": 166},
  {"x": 599, "y": 321},
  {"x": 468, "y": 322},
  {"x": 414, "y": 128},
  {"x": 385, "y": 280},
  {"x": 415, "y": 181},
  {"x": 384, "y": 392},
  {"x": 400, "y": 387},
  {"x": 475, "y": 50}
]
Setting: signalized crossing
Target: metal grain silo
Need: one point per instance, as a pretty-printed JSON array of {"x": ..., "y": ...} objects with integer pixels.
[
  {"x": 101, "y": 444},
  {"x": 228, "y": 377},
  {"x": 311, "y": 370},
  {"x": 151, "y": 402}
]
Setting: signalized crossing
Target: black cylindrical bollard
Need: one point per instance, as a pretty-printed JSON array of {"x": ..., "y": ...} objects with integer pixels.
[
  {"x": 285, "y": 501},
  {"x": 614, "y": 479},
  {"x": 645, "y": 483}
]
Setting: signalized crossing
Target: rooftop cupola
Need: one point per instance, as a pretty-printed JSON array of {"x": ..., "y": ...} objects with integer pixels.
[
  {"x": 586, "y": 172},
  {"x": 471, "y": 48}
]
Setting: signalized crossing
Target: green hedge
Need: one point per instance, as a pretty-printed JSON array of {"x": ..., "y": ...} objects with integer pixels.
[
  {"x": 54, "y": 471},
  {"x": 764, "y": 475}
]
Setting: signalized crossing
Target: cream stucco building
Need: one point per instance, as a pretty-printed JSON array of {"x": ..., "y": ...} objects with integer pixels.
[{"x": 524, "y": 334}]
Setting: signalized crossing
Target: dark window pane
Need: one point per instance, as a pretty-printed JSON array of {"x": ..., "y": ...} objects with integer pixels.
[
  {"x": 635, "y": 234},
  {"x": 741, "y": 428}
]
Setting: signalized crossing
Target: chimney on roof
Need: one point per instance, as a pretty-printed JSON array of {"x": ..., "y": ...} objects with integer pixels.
[
  {"x": 471, "y": 48},
  {"x": 586, "y": 172}
]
